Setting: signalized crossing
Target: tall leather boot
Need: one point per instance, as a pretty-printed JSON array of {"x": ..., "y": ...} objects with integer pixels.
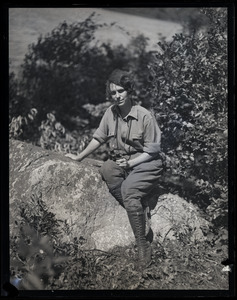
[
  {"x": 137, "y": 221},
  {"x": 147, "y": 213}
]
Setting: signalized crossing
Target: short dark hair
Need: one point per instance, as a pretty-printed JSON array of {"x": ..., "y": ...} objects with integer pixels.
[{"x": 121, "y": 78}]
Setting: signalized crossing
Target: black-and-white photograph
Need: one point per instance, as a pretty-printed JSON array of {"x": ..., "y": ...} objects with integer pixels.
[{"x": 118, "y": 149}]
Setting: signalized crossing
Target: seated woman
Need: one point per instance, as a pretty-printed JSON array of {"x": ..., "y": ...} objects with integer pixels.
[{"x": 135, "y": 165}]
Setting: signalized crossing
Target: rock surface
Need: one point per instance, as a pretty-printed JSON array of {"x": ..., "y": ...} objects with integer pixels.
[{"x": 81, "y": 203}]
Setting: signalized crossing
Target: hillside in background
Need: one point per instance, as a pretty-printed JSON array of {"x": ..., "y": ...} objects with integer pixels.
[
  {"x": 27, "y": 24},
  {"x": 174, "y": 14}
]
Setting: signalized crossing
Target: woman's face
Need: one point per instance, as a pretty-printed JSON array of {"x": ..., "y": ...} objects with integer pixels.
[{"x": 118, "y": 94}]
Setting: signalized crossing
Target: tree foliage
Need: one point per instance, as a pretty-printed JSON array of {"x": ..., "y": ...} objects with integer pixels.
[
  {"x": 66, "y": 69},
  {"x": 61, "y": 72},
  {"x": 188, "y": 83}
]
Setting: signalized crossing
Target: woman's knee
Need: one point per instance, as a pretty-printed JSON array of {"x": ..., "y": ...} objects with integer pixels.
[
  {"x": 105, "y": 168},
  {"x": 131, "y": 198},
  {"x": 111, "y": 172}
]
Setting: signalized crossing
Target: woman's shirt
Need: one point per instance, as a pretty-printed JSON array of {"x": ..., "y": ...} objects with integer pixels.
[{"x": 137, "y": 132}]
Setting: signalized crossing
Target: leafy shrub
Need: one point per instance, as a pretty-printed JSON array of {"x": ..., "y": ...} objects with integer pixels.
[
  {"x": 188, "y": 82},
  {"x": 33, "y": 259},
  {"x": 32, "y": 251},
  {"x": 18, "y": 103},
  {"x": 60, "y": 73},
  {"x": 21, "y": 127},
  {"x": 97, "y": 111},
  {"x": 65, "y": 70},
  {"x": 53, "y": 136}
]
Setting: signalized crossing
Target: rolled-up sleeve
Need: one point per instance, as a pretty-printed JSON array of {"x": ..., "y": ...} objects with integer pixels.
[
  {"x": 152, "y": 136},
  {"x": 100, "y": 136},
  {"x": 101, "y": 133}
]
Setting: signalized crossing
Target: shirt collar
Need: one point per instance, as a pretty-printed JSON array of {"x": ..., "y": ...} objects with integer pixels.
[{"x": 133, "y": 112}]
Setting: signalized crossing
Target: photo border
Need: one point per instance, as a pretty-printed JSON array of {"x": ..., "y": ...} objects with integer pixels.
[{"x": 124, "y": 294}]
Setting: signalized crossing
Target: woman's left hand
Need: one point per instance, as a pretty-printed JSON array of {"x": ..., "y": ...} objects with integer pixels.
[{"x": 122, "y": 162}]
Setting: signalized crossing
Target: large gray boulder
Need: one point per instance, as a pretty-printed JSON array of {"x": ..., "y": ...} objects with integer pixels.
[{"x": 81, "y": 203}]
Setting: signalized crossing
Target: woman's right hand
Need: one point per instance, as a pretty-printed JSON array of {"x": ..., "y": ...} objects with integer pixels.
[{"x": 73, "y": 156}]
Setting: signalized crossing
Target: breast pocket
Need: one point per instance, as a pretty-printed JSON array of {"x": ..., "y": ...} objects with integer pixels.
[
  {"x": 136, "y": 135},
  {"x": 111, "y": 134},
  {"x": 137, "y": 141}
]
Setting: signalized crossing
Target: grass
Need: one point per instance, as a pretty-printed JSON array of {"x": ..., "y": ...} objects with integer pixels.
[{"x": 176, "y": 265}]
